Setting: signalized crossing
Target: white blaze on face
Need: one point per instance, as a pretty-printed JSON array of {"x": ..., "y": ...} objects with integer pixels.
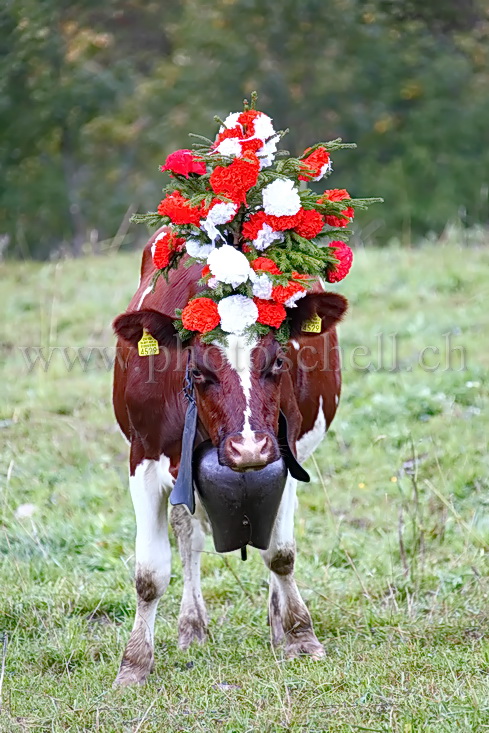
[{"x": 238, "y": 354}]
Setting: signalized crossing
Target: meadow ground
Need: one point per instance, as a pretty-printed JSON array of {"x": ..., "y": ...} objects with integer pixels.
[{"x": 392, "y": 533}]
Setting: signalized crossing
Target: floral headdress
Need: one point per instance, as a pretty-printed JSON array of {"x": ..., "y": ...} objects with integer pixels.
[{"x": 244, "y": 211}]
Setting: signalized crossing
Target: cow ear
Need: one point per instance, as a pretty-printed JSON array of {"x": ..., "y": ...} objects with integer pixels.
[
  {"x": 130, "y": 327},
  {"x": 330, "y": 307}
]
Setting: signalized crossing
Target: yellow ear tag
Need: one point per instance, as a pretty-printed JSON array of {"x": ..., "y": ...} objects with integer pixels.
[
  {"x": 148, "y": 345},
  {"x": 313, "y": 325}
]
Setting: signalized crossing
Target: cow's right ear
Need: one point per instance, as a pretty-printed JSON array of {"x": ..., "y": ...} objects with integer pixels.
[{"x": 130, "y": 327}]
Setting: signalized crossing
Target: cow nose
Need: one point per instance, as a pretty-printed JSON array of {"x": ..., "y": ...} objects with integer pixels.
[{"x": 254, "y": 451}]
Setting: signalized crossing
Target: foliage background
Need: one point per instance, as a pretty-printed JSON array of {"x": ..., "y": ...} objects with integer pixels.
[{"x": 94, "y": 96}]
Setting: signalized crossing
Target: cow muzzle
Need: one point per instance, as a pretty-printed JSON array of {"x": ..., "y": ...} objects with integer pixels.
[{"x": 248, "y": 453}]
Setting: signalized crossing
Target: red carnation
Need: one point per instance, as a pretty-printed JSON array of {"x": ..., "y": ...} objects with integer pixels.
[
  {"x": 343, "y": 253},
  {"x": 252, "y": 146},
  {"x": 201, "y": 315},
  {"x": 270, "y": 313},
  {"x": 282, "y": 293},
  {"x": 335, "y": 194},
  {"x": 164, "y": 248},
  {"x": 206, "y": 270},
  {"x": 247, "y": 121},
  {"x": 265, "y": 264},
  {"x": 237, "y": 178},
  {"x": 299, "y": 276},
  {"x": 179, "y": 210},
  {"x": 310, "y": 224},
  {"x": 227, "y": 133},
  {"x": 336, "y": 221},
  {"x": 281, "y": 223},
  {"x": 254, "y": 224},
  {"x": 313, "y": 164},
  {"x": 183, "y": 162}
]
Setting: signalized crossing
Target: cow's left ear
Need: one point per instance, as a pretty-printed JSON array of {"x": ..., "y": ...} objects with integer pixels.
[
  {"x": 329, "y": 307},
  {"x": 130, "y": 327}
]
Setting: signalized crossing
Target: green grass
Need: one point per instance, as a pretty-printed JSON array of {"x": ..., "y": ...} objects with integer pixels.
[{"x": 392, "y": 534}]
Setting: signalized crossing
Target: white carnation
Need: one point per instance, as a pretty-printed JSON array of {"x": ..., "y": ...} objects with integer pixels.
[
  {"x": 229, "y": 265},
  {"x": 211, "y": 230},
  {"x": 220, "y": 213},
  {"x": 212, "y": 283},
  {"x": 230, "y": 121},
  {"x": 230, "y": 147},
  {"x": 196, "y": 249},
  {"x": 266, "y": 154},
  {"x": 266, "y": 237},
  {"x": 291, "y": 302},
  {"x": 280, "y": 198},
  {"x": 237, "y": 312},
  {"x": 262, "y": 285},
  {"x": 263, "y": 128}
]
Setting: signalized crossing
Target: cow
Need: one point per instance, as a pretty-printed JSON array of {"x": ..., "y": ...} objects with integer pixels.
[{"x": 239, "y": 390}]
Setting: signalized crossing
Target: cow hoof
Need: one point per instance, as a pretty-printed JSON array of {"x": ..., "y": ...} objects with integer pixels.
[
  {"x": 133, "y": 672},
  {"x": 190, "y": 630},
  {"x": 128, "y": 676},
  {"x": 307, "y": 646}
]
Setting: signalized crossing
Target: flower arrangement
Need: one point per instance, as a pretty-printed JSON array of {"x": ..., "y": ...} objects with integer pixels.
[{"x": 243, "y": 210}]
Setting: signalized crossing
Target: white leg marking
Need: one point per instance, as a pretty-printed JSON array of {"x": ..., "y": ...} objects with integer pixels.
[
  {"x": 288, "y": 613},
  {"x": 153, "y": 554},
  {"x": 283, "y": 529},
  {"x": 310, "y": 441},
  {"x": 192, "y": 622},
  {"x": 153, "y": 565}
]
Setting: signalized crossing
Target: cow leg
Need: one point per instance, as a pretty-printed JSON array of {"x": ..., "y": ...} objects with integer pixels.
[
  {"x": 153, "y": 567},
  {"x": 192, "y": 622},
  {"x": 289, "y": 618}
]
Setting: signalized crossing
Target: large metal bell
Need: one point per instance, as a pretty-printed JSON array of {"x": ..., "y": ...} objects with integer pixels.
[{"x": 241, "y": 506}]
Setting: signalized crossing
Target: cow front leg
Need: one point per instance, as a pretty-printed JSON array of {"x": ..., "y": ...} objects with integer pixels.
[
  {"x": 153, "y": 567},
  {"x": 192, "y": 622},
  {"x": 290, "y": 621}
]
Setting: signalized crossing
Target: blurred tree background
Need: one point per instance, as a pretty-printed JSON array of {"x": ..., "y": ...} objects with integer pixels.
[{"x": 93, "y": 96}]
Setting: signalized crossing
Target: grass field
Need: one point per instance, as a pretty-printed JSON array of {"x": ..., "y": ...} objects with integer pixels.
[{"x": 392, "y": 534}]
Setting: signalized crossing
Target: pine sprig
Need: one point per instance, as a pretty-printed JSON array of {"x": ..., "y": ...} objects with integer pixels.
[{"x": 152, "y": 218}]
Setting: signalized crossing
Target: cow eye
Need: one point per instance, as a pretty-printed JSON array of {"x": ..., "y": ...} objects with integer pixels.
[{"x": 278, "y": 364}]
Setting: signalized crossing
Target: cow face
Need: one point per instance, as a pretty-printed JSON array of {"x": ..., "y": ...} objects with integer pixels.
[
  {"x": 238, "y": 386},
  {"x": 238, "y": 398}
]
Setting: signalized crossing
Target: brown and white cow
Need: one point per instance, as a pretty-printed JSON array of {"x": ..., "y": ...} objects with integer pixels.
[{"x": 239, "y": 391}]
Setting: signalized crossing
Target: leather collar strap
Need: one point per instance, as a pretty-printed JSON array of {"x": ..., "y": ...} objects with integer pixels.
[
  {"x": 294, "y": 467},
  {"x": 183, "y": 489}
]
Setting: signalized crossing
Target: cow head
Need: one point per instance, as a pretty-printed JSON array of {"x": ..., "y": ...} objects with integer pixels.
[{"x": 239, "y": 388}]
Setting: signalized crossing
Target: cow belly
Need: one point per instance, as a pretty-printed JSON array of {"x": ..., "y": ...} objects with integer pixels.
[{"x": 307, "y": 443}]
